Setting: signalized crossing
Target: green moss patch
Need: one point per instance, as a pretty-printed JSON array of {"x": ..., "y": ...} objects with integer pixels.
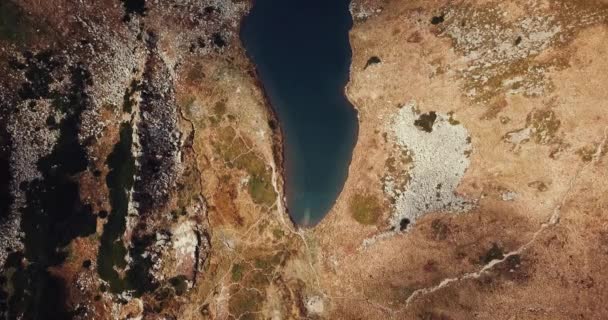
[
  {"x": 397, "y": 166},
  {"x": 253, "y": 276},
  {"x": 234, "y": 150},
  {"x": 237, "y": 272},
  {"x": 366, "y": 209},
  {"x": 261, "y": 190},
  {"x": 586, "y": 153},
  {"x": 544, "y": 124},
  {"x": 219, "y": 109},
  {"x": 278, "y": 233}
]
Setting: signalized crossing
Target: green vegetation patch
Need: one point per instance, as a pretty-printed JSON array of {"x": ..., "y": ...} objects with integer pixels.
[
  {"x": 237, "y": 272},
  {"x": 544, "y": 124},
  {"x": 247, "y": 299},
  {"x": 228, "y": 146},
  {"x": 451, "y": 119},
  {"x": 538, "y": 185},
  {"x": 234, "y": 151},
  {"x": 366, "y": 209},
  {"x": 278, "y": 233},
  {"x": 586, "y": 153},
  {"x": 261, "y": 190},
  {"x": 398, "y": 165},
  {"x": 217, "y": 114},
  {"x": 399, "y": 161},
  {"x": 253, "y": 276},
  {"x": 219, "y": 109}
]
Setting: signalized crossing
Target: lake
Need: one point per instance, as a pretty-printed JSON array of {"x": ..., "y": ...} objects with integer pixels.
[{"x": 302, "y": 54}]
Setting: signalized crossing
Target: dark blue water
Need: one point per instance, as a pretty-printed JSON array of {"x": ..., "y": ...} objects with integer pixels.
[{"x": 302, "y": 54}]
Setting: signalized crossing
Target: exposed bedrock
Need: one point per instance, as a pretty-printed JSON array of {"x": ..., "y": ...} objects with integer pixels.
[{"x": 158, "y": 135}]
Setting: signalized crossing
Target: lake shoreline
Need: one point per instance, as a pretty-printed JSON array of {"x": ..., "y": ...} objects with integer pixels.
[
  {"x": 278, "y": 151},
  {"x": 316, "y": 112}
]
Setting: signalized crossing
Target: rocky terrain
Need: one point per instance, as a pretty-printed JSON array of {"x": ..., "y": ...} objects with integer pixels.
[
  {"x": 141, "y": 166},
  {"x": 475, "y": 190}
]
